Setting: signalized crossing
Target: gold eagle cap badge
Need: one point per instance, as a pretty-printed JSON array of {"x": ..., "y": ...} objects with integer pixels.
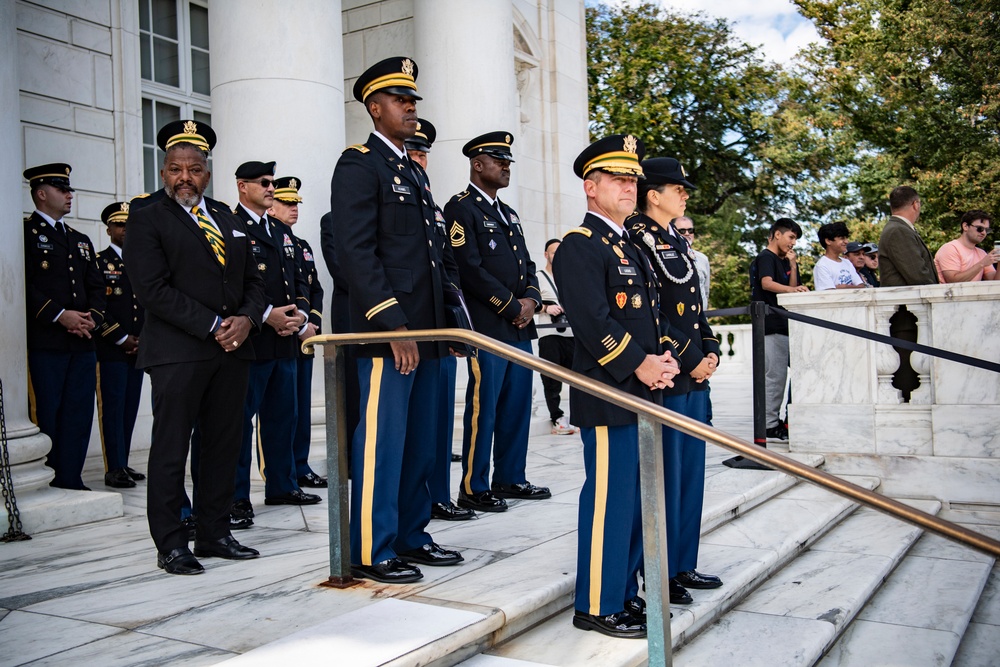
[
  {"x": 407, "y": 67},
  {"x": 507, "y": 139},
  {"x": 293, "y": 184},
  {"x": 630, "y": 145},
  {"x": 124, "y": 207},
  {"x": 190, "y": 127}
]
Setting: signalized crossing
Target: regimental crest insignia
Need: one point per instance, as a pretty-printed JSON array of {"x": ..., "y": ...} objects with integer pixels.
[
  {"x": 124, "y": 207},
  {"x": 630, "y": 144},
  {"x": 293, "y": 184},
  {"x": 621, "y": 299},
  {"x": 618, "y": 251},
  {"x": 680, "y": 309},
  {"x": 190, "y": 127},
  {"x": 637, "y": 301},
  {"x": 457, "y": 235},
  {"x": 407, "y": 67}
]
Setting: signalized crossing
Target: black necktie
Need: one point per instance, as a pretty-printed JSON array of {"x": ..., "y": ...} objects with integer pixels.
[
  {"x": 496, "y": 205},
  {"x": 60, "y": 227}
]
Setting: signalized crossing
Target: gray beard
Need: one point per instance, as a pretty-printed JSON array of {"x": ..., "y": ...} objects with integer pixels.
[{"x": 186, "y": 202}]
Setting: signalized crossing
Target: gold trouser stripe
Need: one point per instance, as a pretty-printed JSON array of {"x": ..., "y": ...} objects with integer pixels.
[
  {"x": 477, "y": 377},
  {"x": 380, "y": 307},
  {"x": 261, "y": 464},
  {"x": 100, "y": 418},
  {"x": 368, "y": 476},
  {"x": 606, "y": 359},
  {"x": 32, "y": 403},
  {"x": 600, "y": 506}
]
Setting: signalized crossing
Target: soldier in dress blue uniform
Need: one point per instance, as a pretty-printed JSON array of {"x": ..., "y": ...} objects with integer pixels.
[
  {"x": 65, "y": 303},
  {"x": 119, "y": 384},
  {"x": 662, "y": 197},
  {"x": 439, "y": 484},
  {"x": 271, "y": 395},
  {"x": 502, "y": 295},
  {"x": 387, "y": 246},
  {"x": 286, "y": 209},
  {"x": 608, "y": 290}
]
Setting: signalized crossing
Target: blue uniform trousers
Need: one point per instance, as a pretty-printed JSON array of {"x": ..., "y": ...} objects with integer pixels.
[
  {"x": 439, "y": 484},
  {"x": 62, "y": 391},
  {"x": 684, "y": 467},
  {"x": 119, "y": 389},
  {"x": 393, "y": 454},
  {"x": 497, "y": 414},
  {"x": 271, "y": 397},
  {"x": 303, "y": 422},
  {"x": 609, "y": 547}
]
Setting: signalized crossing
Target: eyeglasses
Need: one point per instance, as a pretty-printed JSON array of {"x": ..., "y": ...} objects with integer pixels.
[
  {"x": 685, "y": 230},
  {"x": 981, "y": 230},
  {"x": 263, "y": 182}
]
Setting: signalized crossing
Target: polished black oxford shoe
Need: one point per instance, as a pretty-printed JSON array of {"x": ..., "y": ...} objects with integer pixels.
[
  {"x": 621, "y": 625},
  {"x": 243, "y": 506},
  {"x": 311, "y": 480},
  {"x": 451, "y": 512},
  {"x": 134, "y": 474},
  {"x": 525, "y": 491},
  {"x": 679, "y": 594},
  {"x": 118, "y": 479},
  {"x": 636, "y": 607},
  {"x": 224, "y": 547},
  {"x": 391, "y": 571},
  {"x": 190, "y": 524},
  {"x": 697, "y": 580},
  {"x": 241, "y": 515},
  {"x": 483, "y": 502},
  {"x": 296, "y": 497},
  {"x": 432, "y": 554},
  {"x": 179, "y": 561}
]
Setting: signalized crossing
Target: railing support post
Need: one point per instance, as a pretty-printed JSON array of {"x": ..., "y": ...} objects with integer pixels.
[
  {"x": 337, "y": 443},
  {"x": 654, "y": 542},
  {"x": 757, "y": 311}
]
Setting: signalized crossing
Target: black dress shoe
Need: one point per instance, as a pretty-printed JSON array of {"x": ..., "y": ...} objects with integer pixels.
[
  {"x": 525, "y": 491},
  {"x": 118, "y": 479},
  {"x": 636, "y": 607},
  {"x": 311, "y": 480},
  {"x": 179, "y": 561},
  {"x": 456, "y": 458},
  {"x": 697, "y": 580},
  {"x": 134, "y": 474},
  {"x": 432, "y": 554},
  {"x": 224, "y": 547},
  {"x": 296, "y": 497},
  {"x": 190, "y": 523},
  {"x": 451, "y": 512},
  {"x": 391, "y": 571},
  {"x": 621, "y": 625},
  {"x": 483, "y": 502},
  {"x": 679, "y": 594},
  {"x": 243, "y": 507},
  {"x": 241, "y": 515}
]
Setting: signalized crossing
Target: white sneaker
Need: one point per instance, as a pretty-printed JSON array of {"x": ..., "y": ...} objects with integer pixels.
[{"x": 562, "y": 426}]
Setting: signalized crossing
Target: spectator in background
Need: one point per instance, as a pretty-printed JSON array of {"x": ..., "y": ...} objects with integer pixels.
[
  {"x": 856, "y": 255},
  {"x": 962, "y": 260},
  {"x": 775, "y": 272},
  {"x": 685, "y": 227},
  {"x": 870, "y": 257},
  {"x": 903, "y": 255},
  {"x": 831, "y": 271},
  {"x": 555, "y": 344}
]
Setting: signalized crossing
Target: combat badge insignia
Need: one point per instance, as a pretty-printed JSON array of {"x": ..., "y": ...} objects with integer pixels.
[
  {"x": 618, "y": 251},
  {"x": 457, "y": 235},
  {"x": 111, "y": 267},
  {"x": 621, "y": 299},
  {"x": 680, "y": 309},
  {"x": 637, "y": 301}
]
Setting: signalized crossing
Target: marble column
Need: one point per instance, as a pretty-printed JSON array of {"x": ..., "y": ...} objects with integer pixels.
[
  {"x": 468, "y": 81},
  {"x": 278, "y": 94},
  {"x": 41, "y": 507}
]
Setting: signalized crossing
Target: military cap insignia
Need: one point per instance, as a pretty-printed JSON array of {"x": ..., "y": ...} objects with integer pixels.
[
  {"x": 293, "y": 184},
  {"x": 637, "y": 301},
  {"x": 418, "y": 126},
  {"x": 407, "y": 67},
  {"x": 67, "y": 171},
  {"x": 680, "y": 309},
  {"x": 630, "y": 144},
  {"x": 124, "y": 207},
  {"x": 683, "y": 173},
  {"x": 618, "y": 251},
  {"x": 190, "y": 127},
  {"x": 506, "y": 138},
  {"x": 621, "y": 299},
  {"x": 457, "y": 235}
]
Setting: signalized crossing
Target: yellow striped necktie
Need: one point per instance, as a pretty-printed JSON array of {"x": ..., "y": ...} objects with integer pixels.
[{"x": 212, "y": 234}]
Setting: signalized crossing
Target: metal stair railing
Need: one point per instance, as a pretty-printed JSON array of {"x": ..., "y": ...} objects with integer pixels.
[{"x": 650, "y": 417}]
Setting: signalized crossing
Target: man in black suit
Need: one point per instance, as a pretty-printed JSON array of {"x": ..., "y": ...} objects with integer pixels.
[
  {"x": 271, "y": 391},
  {"x": 387, "y": 248},
  {"x": 64, "y": 298},
  {"x": 119, "y": 382},
  {"x": 192, "y": 269},
  {"x": 499, "y": 278}
]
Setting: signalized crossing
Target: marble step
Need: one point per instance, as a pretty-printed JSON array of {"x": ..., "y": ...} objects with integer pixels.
[{"x": 743, "y": 552}]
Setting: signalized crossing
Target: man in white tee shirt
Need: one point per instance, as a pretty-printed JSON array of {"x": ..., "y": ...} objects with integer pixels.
[{"x": 833, "y": 271}]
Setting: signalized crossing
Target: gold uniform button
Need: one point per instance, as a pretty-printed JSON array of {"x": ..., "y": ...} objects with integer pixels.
[
  {"x": 401, "y": 198},
  {"x": 695, "y": 326},
  {"x": 430, "y": 243},
  {"x": 629, "y": 281},
  {"x": 521, "y": 278},
  {"x": 71, "y": 268},
  {"x": 515, "y": 247},
  {"x": 433, "y": 264},
  {"x": 692, "y": 290}
]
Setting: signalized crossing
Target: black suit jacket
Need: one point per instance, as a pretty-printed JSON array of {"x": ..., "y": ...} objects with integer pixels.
[
  {"x": 609, "y": 292},
  {"x": 59, "y": 274},
  {"x": 276, "y": 257},
  {"x": 123, "y": 316},
  {"x": 386, "y": 246},
  {"x": 493, "y": 263},
  {"x": 183, "y": 286}
]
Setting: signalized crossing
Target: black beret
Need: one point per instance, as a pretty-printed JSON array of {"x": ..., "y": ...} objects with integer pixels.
[
  {"x": 117, "y": 212},
  {"x": 199, "y": 135},
  {"x": 495, "y": 144},
  {"x": 253, "y": 169},
  {"x": 424, "y": 137},
  {"x": 616, "y": 154},
  {"x": 396, "y": 75},
  {"x": 664, "y": 170},
  {"x": 286, "y": 189},
  {"x": 55, "y": 174}
]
